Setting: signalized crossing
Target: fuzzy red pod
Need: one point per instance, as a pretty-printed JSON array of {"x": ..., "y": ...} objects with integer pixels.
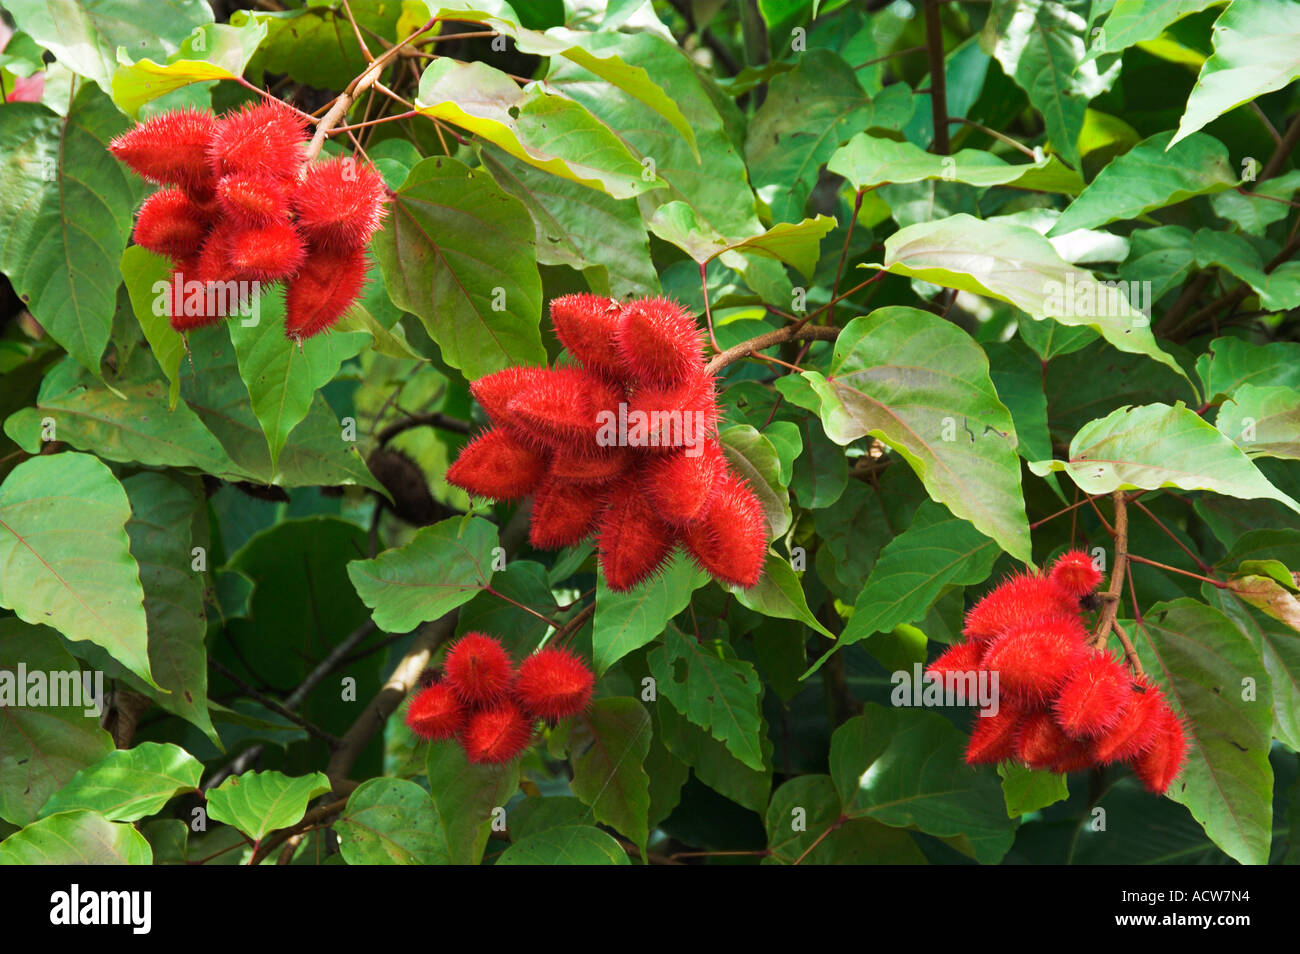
[
  {"x": 322, "y": 290},
  {"x": 1034, "y": 659},
  {"x": 495, "y": 391},
  {"x": 961, "y": 658},
  {"x": 681, "y": 485},
  {"x": 213, "y": 262},
  {"x": 340, "y": 203},
  {"x": 264, "y": 138},
  {"x": 585, "y": 325},
  {"x": 658, "y": 341},
  {"x": 1075, "y": 757},
  {"x": 496, "y": 466},
  {"x": 1135, "y": 729},
  {"x": 1162, "y": 762},
  {"x": 633, "y": 542},
  {"x": 435, "y": 713},
  {"x": 730, "y": 542},
  {"x": 993, "y": 738},
  {"x": 679, "y": 415},
  {"x": 1040, "y": 743},
  {"x": 170, "y": 149},
  {"x": 496, "y": 734},
  {"x": 265, "y": 253},
  {"x": 478, "y": 669},
  {"x": 581, "y": 467},
  {"x": 1021, "y": 598},
  {"x": 1074, "y": 573},
  {"x": 253, "y": 198},
  {"x": 563, "y": 407},
  {"x": 1092, "y": 698},
  {"x": 563, "y": 514},
  {"x": 553, "y": 683},
  {"x": 189, "y": 305},
  {"x": 171, "y": 225}
]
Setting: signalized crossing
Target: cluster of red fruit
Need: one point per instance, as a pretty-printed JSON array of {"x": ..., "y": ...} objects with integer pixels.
[
  {"x": 491, "y": 708},
  {"x": 239, "y": 204},
  {"x": 624, "y": 446},
  {"x": 1062, "y": 706}
]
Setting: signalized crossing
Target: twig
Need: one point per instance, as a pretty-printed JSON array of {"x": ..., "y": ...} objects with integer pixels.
[
  {"x": 1000, "y": 137},
  {"x": 938, "y": 79},
  {"x": 441, "y": 421},
  {"x": 780, "y": 336},
  {"x": 1110, "y": 598},
  {"x": 277, "y": 708}
]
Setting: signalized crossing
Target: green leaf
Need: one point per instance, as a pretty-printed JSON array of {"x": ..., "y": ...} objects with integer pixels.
[
  {"x": 1231, "y": 363},
  {"x": 1015, "y": 264},
  {"x": 754, "y": 458},
  {"x": 1203, "y": 662},
  {"x": 1255, "y": 52},
  {"x": 1254, "y": 211},
  {"x": 42, "y": 746},
  {"x": 608, "y": 747},
  {"x": 713, "y": 763},
  {"x": 1026, "y": 790},
  {"x": 1151, "y": 175},
  {"x": 258, "y": 803},
  {"x": 141, "y": 270},
  {"x": 778, "y": 593},
  {"x": 1262, "y": 421},
  {"x": 1157, "y": 446},
  {"x": 129, "y": 784},
  {"x": 921, "y": 385},
  {"x": 1131, "y": 22},
  {"x": 626, "y": 621},
  {"x": 65, "y": 559},
  {"x": 566, "y": 845},
  {"x": 85, "y": 34},
  {"x": 709, "y": 685},
  {"x": 798, "y": 245},
  {"x": 1161, "y": 256},
  {"x": 316, "y": 44},
  {"x": 1017, "y": 374},
  {"x": 391, "y": 821},
  {"x": 1278, "y": 290},
  {"x": 443, "y": 566},
  {"x": 467, "y": 797},
  {"x": 460, "y": 254},
  {"x": 76, "y": 838},
  {"x": 67, "y": 206}
]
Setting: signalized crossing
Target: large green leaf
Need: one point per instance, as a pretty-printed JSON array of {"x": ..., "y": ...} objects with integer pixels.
[
  {"x": 316, "y": 44},
  {"x": 1230, "y": 363},
  {"x": 391, "y": 821},
  {"x": 76, "y": 838},
  {"x": 921, "y": 385},
  {"x": 1151, "y": 175},
  {"x": 1278, "y": 646},
  {"x": 42, "y": 746},
  {"x": 442, "y": 567},
  {"x": 258, "y": 803},
  {"x": 565, "y": 845},
  {"x": 754, "y": 457},
  {"x": 1256, "y": 50},
  {"x": 1157, "y": 446},
  {"x": 713, "y": 763},
  {"x": 66, "y": 204},
  {"x": 626, "y": 621},
  {"x": 1135, "y": 21},
  {"x": 779, "y": 594},
  {"x": 1263, "y": 421},
  {"x": 804, "y": 823},
  {"x": 469, "y": 798},
  {"x": 796, "y": 244},
  {"x": 141, "y": 270},
  {"x": 1016, "y": 264},
  {"x": 65, "y": 559},
  {"x": 129, "y": 784},
  {"x": 608, "y": 746},
  {"x": 1205, "y": 664},
  {"x": 460, "y": 253}
]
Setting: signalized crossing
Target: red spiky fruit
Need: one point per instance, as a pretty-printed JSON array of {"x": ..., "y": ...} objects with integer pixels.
[
  {"x": 495, "y": 391},
  {"x": 993, "y": 738},
  {"x": 253, "y": 198},
  {"x": 563, "y": 407},
  {"x": 563, "y": 514},
  {"x": 435, "y": 713},
  {"x": 553, "y": 684},
  {"x": 1040, "y": 744},
  {"x": 478, "y": 669},
  {"x": 340, "y": 203},
  {"x": 730, "y": 542},
  {"x": 1074, "y": 757},
  {"x": 1092, "y": 698},
  {"x": 658, "y": 341},
  {"x": 265, "y": 253},
  {"x": 961, "y": 658},
  {"x": 1135, "y": 729},
  {"x": 497, "y": 734},
  {"x": 265, "y": 138},
  {"x": 170, "y": 149},
  {"x": 582, "y": 467},
  {"x": 326, "y": 285},
  {"x": 189, "y": 303},
  {"x": 681, "y": 485},
  {"x": 680, "y": 415},
  {"x": 496, "y": 466},
  {"x": 585, "y": 325},
  {"x": 213, "y": 262},
  {"x": 1033, "y": 659},
  {"x": 1162, "y": 762},
  {"x": 634, "y": 543},
  {"x": 1074, "y": 573},
  {"x": 171, "y": 225},
  {"x": 1021, "y": 598}
]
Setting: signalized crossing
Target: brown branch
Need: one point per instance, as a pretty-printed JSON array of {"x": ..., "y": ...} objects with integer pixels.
[
  {"x": 938, "y": 79},
  {"x": 1110, "y": 598},
  {"x": 780, "y": 336},
  {"x": 441, "y": 421},
  {"x": 311, "y": 820},
  {"x": 274, "y": 706}
]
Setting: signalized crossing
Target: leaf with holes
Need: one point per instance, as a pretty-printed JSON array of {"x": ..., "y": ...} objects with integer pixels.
[{"x": 608, "y": 746}]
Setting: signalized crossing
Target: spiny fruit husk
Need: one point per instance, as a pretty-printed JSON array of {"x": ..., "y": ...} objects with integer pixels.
[
  {"x": 253, "y": 199},
  {"x": 553, "y": 684},
  {"x": 170, "y": 149},
  {"x": 1021, "y": 598},
  {"x": 496, "y": 466},
  {"x": 1033, "y": 659},
  {"x": 1092, "y": 698},
  {"x": 961, "y": 658},
  {"x": 265, "y": 253},
  {"x": 171, "y": 225},
  {"x": 1040, "y": 743},
  {"x": 677, "y": 415},
  {"x": 633, "y": 542},
  {"x": 730, "y": 542},
  {"x": 435, "y": 713},
  {"x": 478, "y": 669},
  {"x": 681, "y": 485},
  {"x": 1134, "y": 730},
  {"x": 562, "y": 406},
  {"x": 495, "y": 391},
  {"x": 581, "y": 466},
  {"x": 497, "y": 734},
  {"x": 563, "y": 514},
  {"x": 1162, "y": 762},
  {"x": 1074, "y": 573},
  {"x": 993, "y": 738},
  {"x": 188, "y": 313},
  {"x": 323, "y": 289},
  {"x": 585, "y": 325},
  {"x": 340, "y": 203},
  {"x": 658, "y": 341},
  {"x": 264, "y": 138}
]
